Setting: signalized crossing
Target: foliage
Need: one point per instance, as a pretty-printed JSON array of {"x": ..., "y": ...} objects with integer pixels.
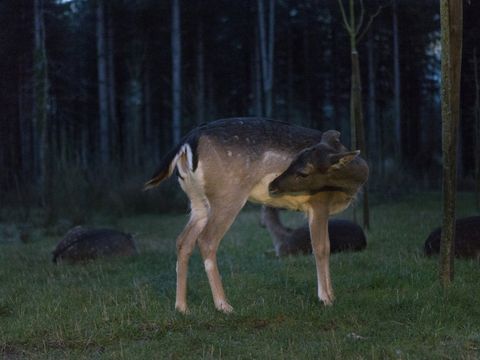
[{"x": 389, "y": 302}]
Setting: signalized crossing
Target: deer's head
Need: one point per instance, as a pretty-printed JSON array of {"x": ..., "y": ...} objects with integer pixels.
[{"x": 327, "y": 166}]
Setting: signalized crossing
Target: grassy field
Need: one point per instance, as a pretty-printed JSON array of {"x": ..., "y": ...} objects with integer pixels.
[{"x": 389, "y": 304}]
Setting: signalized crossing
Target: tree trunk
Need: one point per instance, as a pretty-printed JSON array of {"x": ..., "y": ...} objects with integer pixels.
[
  {"x": 112, "y": 96},
  {"x": 83, "y": 150},
  {"x": 266, "y": 53},
  {"x": 148, "y": 146},
  {"x": 355, "y": 98},
  {"x": 396, "y": 86},
  {"x": 271, "y": 47},
  {"x": 136, "y": 118},
  {"x": 102, "y": 85},
  {"x": 257, "y": 75},
  {"x": 357, "y": 131},
  {"x": 355, "y": 87},
  {"x": 176, "y": 72},
  {"x": 26, "y": 132},
  {"x": 476, "y": 110},
  {"x": 372, "y": 98},
  {"x": 200, "y": 73},
  {"x": 40, "y": 104},
  {"x": 338, "y": 122},
  {"x": 289, "y": 95},
  {"x": 308, "y": 76},
  {"x": 358, "y": 124},
  {"x": 451, "y": 20}
]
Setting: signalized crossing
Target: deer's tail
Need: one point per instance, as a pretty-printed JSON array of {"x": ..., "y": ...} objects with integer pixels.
[{"x": 185, "y": 150}]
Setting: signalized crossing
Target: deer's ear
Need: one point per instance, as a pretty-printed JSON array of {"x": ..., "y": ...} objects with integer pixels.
[
  {"x": 331, "y": 137},
  {"x": 338, "y": 161}
]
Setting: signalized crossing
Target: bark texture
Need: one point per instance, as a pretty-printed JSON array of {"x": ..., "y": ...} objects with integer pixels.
[{"x": 451, "y": 18}]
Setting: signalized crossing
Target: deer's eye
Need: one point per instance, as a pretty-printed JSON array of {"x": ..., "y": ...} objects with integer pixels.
[
  {"x": 304, "y": 170},
  {"x": 301, "y": 174}
]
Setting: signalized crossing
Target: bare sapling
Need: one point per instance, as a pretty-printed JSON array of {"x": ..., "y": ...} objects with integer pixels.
[{"x": 225, "y": 163}]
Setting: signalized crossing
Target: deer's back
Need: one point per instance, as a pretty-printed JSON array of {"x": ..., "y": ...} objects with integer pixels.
[
  {"x": 257, "y": 135},
  {"x": 240, "y": 147}
]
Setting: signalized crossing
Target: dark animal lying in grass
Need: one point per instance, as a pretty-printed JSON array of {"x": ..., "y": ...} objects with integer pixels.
[
  {"x": 81, "y": 244},
  {"x": 344, "y": 235},
  {"x": 467, "y": 239}
]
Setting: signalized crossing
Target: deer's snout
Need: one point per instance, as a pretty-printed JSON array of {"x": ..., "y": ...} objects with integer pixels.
[{"x": 273, "y": 188}]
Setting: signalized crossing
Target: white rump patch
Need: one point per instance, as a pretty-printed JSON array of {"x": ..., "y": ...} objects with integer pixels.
[
  {"x": 188, "y": 150},
  {"x": 183, "y": 168},
  {"x": 193, "y": 184}
]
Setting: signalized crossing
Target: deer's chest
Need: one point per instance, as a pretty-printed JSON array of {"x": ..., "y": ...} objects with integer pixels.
[
  {"x": 338, "y": 202},
  {"x": 260, "y": 194}
]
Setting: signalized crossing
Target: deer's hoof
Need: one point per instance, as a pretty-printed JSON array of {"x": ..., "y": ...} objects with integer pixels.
[
  {"x": 182, "y": 308},
  {"x": 224, "y": 307},
  {"x": 327, "y": 302},
  {"x": 327, "y": 299}
]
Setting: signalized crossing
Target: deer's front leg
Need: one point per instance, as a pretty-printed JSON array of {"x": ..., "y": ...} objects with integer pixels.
[{"x": 318, "y": 222}]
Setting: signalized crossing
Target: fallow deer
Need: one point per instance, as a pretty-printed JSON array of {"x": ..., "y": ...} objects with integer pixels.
[
  {"x": 344, "y": 235},
  {"x": 224, "y": 163},
  {"x": 467, "y": 239},
  {"x": 80, "y": 244}
]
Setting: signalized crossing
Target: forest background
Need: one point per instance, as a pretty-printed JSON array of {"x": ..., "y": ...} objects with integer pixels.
[{"x": 93, "y": 93}]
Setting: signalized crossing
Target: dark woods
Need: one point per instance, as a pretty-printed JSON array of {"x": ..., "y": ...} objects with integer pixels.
[{"x": 92, "y": 93}]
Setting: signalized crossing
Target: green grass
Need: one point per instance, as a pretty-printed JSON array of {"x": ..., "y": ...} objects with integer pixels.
[{"x": 389, "y": 303}]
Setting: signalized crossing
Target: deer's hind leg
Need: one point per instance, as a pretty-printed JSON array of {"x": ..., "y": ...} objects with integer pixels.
[
  {"x": 223, "y": 212},
  {"x": 185, "y": 245}
]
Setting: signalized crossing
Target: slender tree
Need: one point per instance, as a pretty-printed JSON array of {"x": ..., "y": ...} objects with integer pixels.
[
  {"x": 451, "y": 19},
  {"x": 176, "y": 72},
  {"x": 397, "y": 133},
  {"x": 266, "y": 41},
  {"x": 111, "y": 83},
  {"x": 476, "y": 118},
  {"x": 200, "y": 101},
  {"x": 356, "y": 30},
  {"x": 149, "y": 150},
  {"x": 308, "y": 76},
  {"x": 41, "y": 103},
  {"x": 257, "y": 79},
  {"x": 289, "y": 90},
  {"x": 102, "y": 84},
  {"x": 372, "y": 95},
  {"x": 135, "y": 106}
]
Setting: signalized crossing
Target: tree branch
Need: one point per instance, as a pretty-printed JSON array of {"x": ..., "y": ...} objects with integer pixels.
[
  {"x": 362, "y": 14},
  {"x": 344, "y": 17},
  {"x": 370, "y": 20}
]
